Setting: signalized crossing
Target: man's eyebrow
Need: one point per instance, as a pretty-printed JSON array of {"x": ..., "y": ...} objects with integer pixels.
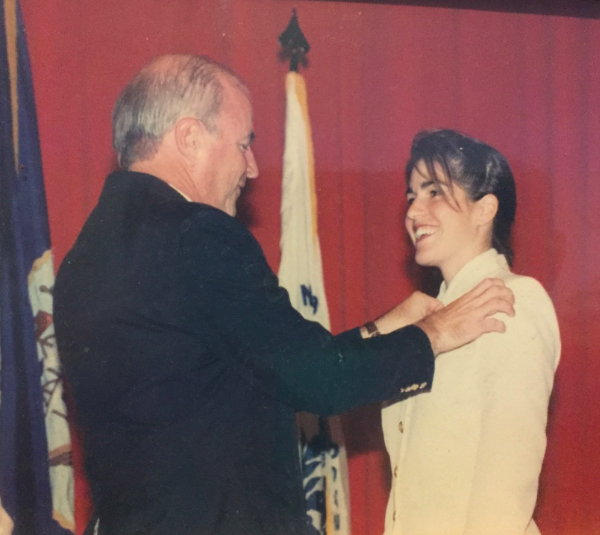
[{"x": 423, "y": 185}]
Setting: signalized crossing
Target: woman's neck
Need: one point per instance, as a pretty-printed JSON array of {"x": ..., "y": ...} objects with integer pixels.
[{"x": 450, "y": 271}]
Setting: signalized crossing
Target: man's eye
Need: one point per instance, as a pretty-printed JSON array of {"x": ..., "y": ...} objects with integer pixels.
[
  {"x": 244, "y": 146},
  {"x": 434, "y": 192}
]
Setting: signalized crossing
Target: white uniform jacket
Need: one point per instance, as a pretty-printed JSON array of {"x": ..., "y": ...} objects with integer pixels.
[{"x": 466, "y": 456}]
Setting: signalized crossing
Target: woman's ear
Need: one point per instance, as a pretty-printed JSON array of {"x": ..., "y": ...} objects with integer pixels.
[{"x": 487, "y": 207}]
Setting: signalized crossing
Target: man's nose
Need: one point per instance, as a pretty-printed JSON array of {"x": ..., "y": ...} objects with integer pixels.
[{"x": 251, "y": 165}]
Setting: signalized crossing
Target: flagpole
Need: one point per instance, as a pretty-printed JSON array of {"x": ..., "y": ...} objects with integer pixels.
[{"x": 322, "y": 451}]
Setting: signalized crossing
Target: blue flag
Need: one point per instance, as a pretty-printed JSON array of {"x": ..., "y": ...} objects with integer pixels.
[{"x": 36, "y": 481}]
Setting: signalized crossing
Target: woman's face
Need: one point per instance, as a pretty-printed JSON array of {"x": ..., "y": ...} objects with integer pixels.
[{"x": 441, "y": 223}]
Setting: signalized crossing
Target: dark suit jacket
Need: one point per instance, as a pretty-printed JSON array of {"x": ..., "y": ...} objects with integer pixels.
[{"x": 187, "y": 363}]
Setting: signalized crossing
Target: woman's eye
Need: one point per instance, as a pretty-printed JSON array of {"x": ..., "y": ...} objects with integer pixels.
[
  {"x": 434, "y": 192},
  {"x": 410, "y": 200}
]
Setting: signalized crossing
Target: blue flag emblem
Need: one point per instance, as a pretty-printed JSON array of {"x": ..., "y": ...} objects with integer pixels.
[{"x": 308, "y": 299}]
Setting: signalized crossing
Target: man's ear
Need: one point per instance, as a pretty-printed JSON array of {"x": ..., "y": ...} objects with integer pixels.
[
  {"x": 188, "y": 133},
  {"x": 487, "y": 207}
]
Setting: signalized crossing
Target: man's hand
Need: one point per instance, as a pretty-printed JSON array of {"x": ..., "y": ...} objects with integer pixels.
[
  {"x": 411, "y": 310},
  {"x": 467, "y": 318},
  {"x": 6, "y": 523}
]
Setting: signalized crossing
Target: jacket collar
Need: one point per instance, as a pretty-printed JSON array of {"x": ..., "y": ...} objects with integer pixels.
[
  {"x": 488, "y": 264},
  {"x": 132, "y": 182}
]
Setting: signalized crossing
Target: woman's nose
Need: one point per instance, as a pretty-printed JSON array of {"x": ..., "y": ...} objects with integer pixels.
[{"x": 414, "y": 208}]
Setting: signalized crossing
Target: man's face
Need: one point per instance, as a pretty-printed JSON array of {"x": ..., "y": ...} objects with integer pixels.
[{"x": 230, "y": 160}]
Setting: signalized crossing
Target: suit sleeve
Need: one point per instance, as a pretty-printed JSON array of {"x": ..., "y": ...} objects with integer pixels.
[
  {"x": 247, "y": 320},
  {"x": 518, "y": 370}
]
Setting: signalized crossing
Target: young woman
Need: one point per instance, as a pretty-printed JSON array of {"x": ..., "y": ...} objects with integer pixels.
[{"x": 466, "y": 456}]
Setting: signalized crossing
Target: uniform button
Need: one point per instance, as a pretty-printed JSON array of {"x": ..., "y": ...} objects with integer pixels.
[
  {"x": 396, "y": 471},
  {"x": 401, "y": 427}
]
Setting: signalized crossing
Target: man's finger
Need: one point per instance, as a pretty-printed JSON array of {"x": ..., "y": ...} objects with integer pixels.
[
  {"x": 497, "y": 304},
  {"x": 485, "y": 285},
  {"x": 496, "y": 290},
  {"x": 493, "y": 325},
  {"x": 485, "y": 290},
  {"x": 493, "y": 295}
]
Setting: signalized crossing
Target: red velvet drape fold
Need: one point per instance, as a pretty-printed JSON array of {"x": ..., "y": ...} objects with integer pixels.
[{"x": 527, "y": 84}]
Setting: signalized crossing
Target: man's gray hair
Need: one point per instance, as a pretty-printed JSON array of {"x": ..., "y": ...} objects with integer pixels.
[{"x": 168, "y": 88}]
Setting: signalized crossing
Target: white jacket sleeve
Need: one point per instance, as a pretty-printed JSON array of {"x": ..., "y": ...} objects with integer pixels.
[{"x": 518, "y": 371}]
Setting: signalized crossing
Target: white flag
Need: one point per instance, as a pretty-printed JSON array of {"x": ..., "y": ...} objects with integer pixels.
[{"x": 301, "y": 273}]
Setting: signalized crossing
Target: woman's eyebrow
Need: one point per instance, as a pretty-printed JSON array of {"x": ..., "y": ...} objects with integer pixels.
[{"x": 423, "y": 185}]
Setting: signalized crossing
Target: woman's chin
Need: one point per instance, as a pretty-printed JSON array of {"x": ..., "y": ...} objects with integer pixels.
[{"x": 423, "y": 261}]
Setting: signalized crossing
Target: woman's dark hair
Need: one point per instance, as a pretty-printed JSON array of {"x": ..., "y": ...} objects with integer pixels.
[{"x": 477, "y": 168}]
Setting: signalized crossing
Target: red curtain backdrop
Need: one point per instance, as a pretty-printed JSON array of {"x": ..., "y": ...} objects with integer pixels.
[{"x": 528, "y": 84}]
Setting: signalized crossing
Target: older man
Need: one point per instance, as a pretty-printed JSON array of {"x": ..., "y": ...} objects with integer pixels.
[{"x": 185, "y": 358}]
